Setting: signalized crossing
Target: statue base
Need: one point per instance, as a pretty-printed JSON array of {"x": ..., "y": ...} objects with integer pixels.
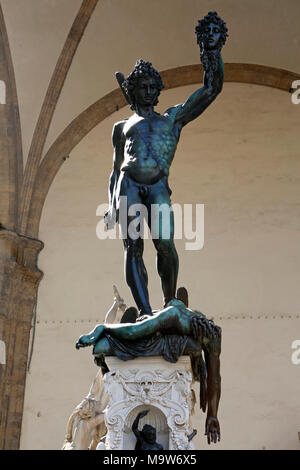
[{"x": 148, "y": 383}]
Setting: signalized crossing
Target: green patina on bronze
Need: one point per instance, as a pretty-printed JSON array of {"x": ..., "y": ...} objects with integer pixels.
[{"x": 144, "y": 148}]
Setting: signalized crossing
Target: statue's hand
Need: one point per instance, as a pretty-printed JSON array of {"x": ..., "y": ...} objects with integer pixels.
[
  {"x": 117, "y": 296},
  {"x": 212, "y": 430},
  {"x": 110, "y": 218},
  {"x": 143, "y": 413}
]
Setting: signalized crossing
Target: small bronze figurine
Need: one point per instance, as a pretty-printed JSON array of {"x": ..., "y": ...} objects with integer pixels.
[{"x": 146, "y": 439}]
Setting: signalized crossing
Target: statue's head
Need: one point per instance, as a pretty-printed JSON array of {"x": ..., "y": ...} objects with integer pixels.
[
  {"x": 211, "y": 31},
  {"x": 149, "y": 433},
  {"x": 143, "y": 85}
]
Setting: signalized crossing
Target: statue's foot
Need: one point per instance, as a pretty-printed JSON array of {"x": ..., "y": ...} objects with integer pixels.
[
  {"x": 91, "y": 338},
  {"x": 182, "y": 295},
  {"x": 83, "y": 342}
]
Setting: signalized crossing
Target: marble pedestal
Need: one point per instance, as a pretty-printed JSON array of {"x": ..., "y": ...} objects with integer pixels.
[{"x": 148, "y": 383}]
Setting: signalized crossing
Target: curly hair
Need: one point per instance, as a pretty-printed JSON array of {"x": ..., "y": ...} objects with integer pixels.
[
  {"x": 211, "y": 17},
  {"x": 141, "y": 69}
]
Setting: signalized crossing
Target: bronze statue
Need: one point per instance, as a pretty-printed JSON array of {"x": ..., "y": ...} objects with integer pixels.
[
  {"x": 144, "y": 147},
  {"x": 146, "y": 438},
  {"x": 174, "y": 331}
]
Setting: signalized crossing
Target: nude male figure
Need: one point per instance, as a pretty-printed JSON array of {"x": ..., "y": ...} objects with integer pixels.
[{"x": 144, "y": 148}]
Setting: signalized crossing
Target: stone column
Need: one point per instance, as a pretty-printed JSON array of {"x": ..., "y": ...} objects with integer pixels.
[
  {"x": 149, "y": 383},
  {"x": 19, "y": 279}
]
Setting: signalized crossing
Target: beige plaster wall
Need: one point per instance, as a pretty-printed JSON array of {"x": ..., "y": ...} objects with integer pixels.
[{"x": 241, "y": 160}]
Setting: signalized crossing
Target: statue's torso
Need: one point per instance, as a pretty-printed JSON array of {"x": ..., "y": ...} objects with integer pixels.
[{"x": 150, "y": 145}]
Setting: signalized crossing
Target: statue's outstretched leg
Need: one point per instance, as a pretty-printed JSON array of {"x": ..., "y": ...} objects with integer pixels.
[
  {"x": 175, "y": 319},
  {"x": 171, "y": 320}
]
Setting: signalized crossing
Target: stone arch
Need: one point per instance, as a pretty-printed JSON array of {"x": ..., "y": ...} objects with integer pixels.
[{"x": 155, "y": 417}]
